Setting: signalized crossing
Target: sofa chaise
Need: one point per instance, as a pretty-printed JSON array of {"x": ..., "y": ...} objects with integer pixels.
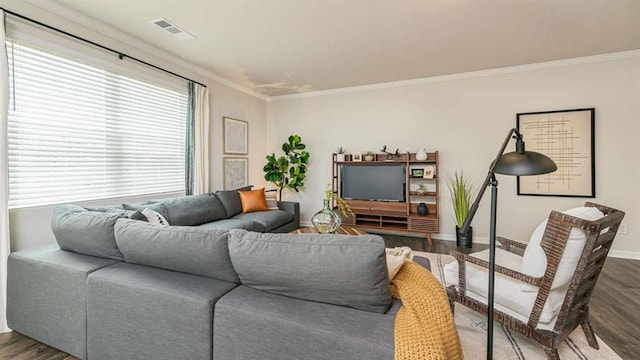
[{"x": 119, "y": 288}]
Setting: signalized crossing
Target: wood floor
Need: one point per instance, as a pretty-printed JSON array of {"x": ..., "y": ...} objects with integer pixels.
[{"x": 615, "y": 307}]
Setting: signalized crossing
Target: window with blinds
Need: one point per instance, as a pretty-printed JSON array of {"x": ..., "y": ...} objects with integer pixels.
[{"x": 77, "y": 132}]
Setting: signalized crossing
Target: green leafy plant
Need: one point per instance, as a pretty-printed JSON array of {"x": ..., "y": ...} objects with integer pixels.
[
  {"x": 340, "y": 150},
  {"x": 461, "y": 191},
  {"x": 343, "y": 208},
  {"x": 288, "y": 170}
]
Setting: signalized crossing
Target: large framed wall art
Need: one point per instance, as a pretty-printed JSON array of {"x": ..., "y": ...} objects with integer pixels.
[{"x": 567, "y": 137}]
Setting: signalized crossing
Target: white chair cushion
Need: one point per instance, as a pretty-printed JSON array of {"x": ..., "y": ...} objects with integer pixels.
[
  {"x": 534, "y": 261},
  {"x": 507, "y": 294}
]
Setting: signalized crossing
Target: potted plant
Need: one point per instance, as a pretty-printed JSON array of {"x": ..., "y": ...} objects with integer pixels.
[
  {"x": 288, "y": 170},
  {"x": 340, "y": 154},
  {"x": 461, "y": 191},
  {"x": 368, "y": 156},
  {"x": 421, "y": 190}
]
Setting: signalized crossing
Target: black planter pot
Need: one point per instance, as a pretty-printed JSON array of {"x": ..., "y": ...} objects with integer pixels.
[{"x": 464, "y": 240}]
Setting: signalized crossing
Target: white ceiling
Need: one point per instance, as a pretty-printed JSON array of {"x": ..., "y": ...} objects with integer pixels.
[{"x": 278, "y": 47}]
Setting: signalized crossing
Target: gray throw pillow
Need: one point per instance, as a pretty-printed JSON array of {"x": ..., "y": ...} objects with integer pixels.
[
  {"x": 85, "y": 232},
  {"x": 231, "y": 200},
  {"x": 186, "y": 249},
  {"x": 193, "y": 210},
  {"x": 336, "y": 269},
  {"x": 157, "y": 207}
]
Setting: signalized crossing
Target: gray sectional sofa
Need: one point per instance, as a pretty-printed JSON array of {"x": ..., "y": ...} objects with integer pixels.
[{"x": 198, "y": 292}]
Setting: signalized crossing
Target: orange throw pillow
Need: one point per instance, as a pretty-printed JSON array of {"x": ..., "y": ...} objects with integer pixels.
[{"x": 253, "y": 200}]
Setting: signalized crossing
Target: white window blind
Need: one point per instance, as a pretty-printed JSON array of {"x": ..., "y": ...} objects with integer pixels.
[{"x": 77, "y": 132}]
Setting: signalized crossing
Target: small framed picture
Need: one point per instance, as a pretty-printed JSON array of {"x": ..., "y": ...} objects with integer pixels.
[
  {"x": 235, "y": 136},
  {"x": 235, "y": 172},
  {"x": 356, "y": 157},
  {"x": 429, "y": 171},
  {"x": 417, "y": 172}
]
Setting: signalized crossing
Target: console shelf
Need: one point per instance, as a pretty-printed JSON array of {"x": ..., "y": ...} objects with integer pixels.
[{"x": 396, "y": 216}]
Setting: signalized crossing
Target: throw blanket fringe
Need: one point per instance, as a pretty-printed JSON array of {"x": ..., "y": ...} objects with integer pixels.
[{"x": 424, "y": 327}]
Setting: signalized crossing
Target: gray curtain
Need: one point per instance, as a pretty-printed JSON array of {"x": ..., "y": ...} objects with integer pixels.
[{"x": 189, "y": 142}]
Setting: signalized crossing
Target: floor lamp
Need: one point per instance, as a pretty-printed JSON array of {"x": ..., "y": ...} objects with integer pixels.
[{"x": 517, "y": 163}]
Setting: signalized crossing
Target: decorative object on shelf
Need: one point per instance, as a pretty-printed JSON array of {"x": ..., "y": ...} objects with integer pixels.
[
  {"x": 417, "y": 173},
  {"x": 422, "y": 155},
  {"x": 356, "y": 157},
  {"x": 421, "y": 190},
  {"x": 517, "y": 163},
  {"x": 567, "y": 137},
  {"x": 461, "y": 191},
  {"x": 340, "y": 154},
  {"x": 368, "y": 156},
  {"x": 235, "y": 137},
  {"x": 422, "y": 209},
  {"x": 288, "y": 170},
  {"x": 429, "y": 172},
  {"x": 390, "y": 155}
]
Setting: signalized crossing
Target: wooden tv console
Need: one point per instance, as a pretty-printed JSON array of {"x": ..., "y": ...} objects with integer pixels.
[{"x": 396, "y": 216}]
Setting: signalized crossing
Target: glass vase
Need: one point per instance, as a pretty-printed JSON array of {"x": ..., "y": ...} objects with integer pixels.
[{"x": 326, "y": 221}]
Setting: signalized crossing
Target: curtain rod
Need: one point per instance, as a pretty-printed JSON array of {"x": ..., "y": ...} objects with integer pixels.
[{"x": 121, "y": 55}]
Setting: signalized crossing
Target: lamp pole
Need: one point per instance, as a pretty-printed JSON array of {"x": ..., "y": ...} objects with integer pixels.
[{"x": 518, "y": 163}]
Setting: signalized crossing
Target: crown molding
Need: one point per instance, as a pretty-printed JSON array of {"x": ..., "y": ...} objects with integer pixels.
[
  {"x": 144, "y": 48},
  {"x": 469, "y": 75}
]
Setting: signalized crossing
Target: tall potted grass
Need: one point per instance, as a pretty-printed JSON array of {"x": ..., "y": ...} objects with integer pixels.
[{"x": 461, "y": 191}]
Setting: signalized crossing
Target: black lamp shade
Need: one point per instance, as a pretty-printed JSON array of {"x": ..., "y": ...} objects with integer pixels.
[{"x": 524, "y": 163}]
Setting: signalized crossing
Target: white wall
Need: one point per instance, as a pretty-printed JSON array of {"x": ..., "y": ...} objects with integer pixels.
[
  {"x": 466, "y": 120},
  {"x": 30, "y": 226}
]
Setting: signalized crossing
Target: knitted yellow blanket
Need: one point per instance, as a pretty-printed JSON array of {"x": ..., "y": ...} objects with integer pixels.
[{"x": 424, "y": 327}]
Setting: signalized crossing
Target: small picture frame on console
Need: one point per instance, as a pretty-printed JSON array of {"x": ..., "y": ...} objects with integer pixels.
[
  {"x": 429, "y": 171},
  {"x": 417, "y": 173},
  {"x": 356, "y": 157}
]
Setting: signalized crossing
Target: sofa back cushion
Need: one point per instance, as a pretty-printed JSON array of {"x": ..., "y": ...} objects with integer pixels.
[
  {"x": 86, "y": 232},
  {"x": 179, "y": 248},
  {"x": 336, "y": 269},
  {"x": 193, "y": 210},
  {"x": 230, "y": 199}
]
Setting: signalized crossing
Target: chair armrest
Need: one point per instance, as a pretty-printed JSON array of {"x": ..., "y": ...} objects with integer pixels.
[
  {"x": 462, "y": 258},
  {"x": 506, "y": 244},
  {"x": 293, "y": 208}
]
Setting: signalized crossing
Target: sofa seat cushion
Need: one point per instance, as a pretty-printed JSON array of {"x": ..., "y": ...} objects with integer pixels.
[
  {"x": 230, "y": 224},
  {"x": 188, "y": 249},
  {"x": 335, "y": 269},
  {"x": 86, "y": 232},
  {"x": 252, "y": 324},
  {"x": 140, "y": 312},
  {"x": 270, "y": 220},
  {"x": 46, "y": 296}
]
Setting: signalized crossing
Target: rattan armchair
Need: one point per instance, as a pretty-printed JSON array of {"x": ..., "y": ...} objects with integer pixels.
[{"x": 574, "y": 309}]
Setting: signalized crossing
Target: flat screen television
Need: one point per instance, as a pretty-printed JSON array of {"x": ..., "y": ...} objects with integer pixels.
[{"x": 370, "y": 182}]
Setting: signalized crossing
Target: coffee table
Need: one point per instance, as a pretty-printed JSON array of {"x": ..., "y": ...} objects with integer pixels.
[{"x": 343, "y": 230}]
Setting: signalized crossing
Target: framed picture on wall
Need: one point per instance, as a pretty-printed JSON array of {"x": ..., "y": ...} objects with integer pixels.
[
  {"x": 567, "y": 137},
  {"x": 235, "y": 136},
  {"x": 235, "y": 172},
  {"x": 356, "y": 157}
]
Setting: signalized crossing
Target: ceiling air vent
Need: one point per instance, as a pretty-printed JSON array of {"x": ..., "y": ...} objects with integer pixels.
[{"x": 167, "y": 25}]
